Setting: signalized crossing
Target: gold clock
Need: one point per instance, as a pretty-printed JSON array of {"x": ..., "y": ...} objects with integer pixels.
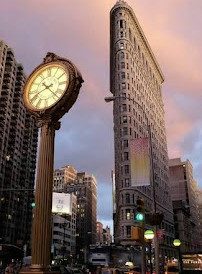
[{"x": 46, "y": 86}]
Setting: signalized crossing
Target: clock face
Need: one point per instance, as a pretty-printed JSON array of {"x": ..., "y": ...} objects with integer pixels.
[{"x": 47, "y": 86}]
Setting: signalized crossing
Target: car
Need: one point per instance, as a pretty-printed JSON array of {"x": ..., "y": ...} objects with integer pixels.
[
  {"x": 60, "y": 268},
  {"x": 77, "y": 271}
]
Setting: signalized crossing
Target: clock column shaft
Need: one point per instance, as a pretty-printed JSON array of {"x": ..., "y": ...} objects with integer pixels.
[{"x": 41, "y": 230}]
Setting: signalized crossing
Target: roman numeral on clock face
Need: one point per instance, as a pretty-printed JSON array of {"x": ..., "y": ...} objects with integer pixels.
[
  {"x": 48, "y": 72},
  {"x": 38, "y": 103},
  {"x": 46, "y": 103},
  {"x": 61, "y": 75},
  {"x": 42, "y": 76},
  {"x": 60, "y": 91},
  {"x": 62, "y": 83},
  {"x": 33, "y": 99}
]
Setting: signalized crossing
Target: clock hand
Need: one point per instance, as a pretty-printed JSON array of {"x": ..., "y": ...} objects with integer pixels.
[
  {"x": 49, "y": 86},
  {"x": 53, "y": 93},
  {"x": 42, "y": 90},
  {"x": 44, "y": 85}
]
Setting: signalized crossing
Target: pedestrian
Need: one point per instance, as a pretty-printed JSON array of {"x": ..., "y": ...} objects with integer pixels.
[
  {"x": 9, "y": 268},
  {"x": 17, "y": 267}
]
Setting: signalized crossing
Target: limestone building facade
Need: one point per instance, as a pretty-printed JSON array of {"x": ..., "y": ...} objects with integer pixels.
[{"x": 135, "y": 74}]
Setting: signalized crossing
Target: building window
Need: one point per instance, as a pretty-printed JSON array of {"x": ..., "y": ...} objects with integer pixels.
[
  {"x": 123, "y": 75},
  {"x": 122, "y": 55},
  {"x": 134, "y": 42},
  {"x": 121, "y": 34},
  {"x": 123, "y": 85},
  {"x": 122, "y": 230},
  {"x": 126, "y": 156},
  {"x": 124, "y": 107},
  {"x": 126, "y": 169},
  {"x": 122, "y": 24},
  {"x": 125, "y": 143},
  {"x": 127, "y": 198},
  {"x": 121, "y": 45},
  {"x": 130, "y": 37},
  {"x": 125, "y": 131},
  {"x": 128, "y": 231},
  {"x": 127, "y": 182},
  {"x": 122, "y": 65},
  {"x": 128, "y": 214},
  {"x": 124, "y": 119}
]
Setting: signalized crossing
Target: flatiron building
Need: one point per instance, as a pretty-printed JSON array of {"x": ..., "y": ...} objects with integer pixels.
[{"x": 136, "y": 75}]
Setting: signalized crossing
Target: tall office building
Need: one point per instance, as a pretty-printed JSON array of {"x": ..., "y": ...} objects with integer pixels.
[
  {"x": 64, "y": 229},
  {"x": 84, "y": 186},
  {"x": 199, "y": 201},
  {"x": 135, "y": 74},
  {"x": 184, "y": 190},
  {"x": 107, "y": 238},
  {"x": 18, "y": 146},
  {"x": 99, "y": 233},
  {"x": 63, "y": 176}
]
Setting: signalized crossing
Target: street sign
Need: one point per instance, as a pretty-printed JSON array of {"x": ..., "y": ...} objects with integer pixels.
[{"x": 159, "y": 234}]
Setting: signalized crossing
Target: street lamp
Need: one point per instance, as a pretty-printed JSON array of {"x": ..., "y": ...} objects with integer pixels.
[
  {"x": 149, "y": 235},
  {"x": 177, "y": 244},
  {"x": 156, "y": 217}
]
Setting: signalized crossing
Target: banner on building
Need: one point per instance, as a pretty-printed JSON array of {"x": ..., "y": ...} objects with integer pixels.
[
  {"x": 113, "y": 191},
  {"x": 140, "y": 162},
  {"x": 61, "y": 203}
]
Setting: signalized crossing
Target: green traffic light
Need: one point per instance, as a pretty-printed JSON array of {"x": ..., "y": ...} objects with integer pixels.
[
  {"x": 32, "y": 204},
  {"x": 139, "y": 217}
]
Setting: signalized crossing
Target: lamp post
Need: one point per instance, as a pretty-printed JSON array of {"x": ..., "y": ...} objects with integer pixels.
[
  {"x": 149, "y": 235},
  {"x": 113, "y": 98},
  {"x": 177, "y": 244}
]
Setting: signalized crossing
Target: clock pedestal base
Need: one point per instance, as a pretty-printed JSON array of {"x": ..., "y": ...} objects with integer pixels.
[{"x": 38, "y": 271}]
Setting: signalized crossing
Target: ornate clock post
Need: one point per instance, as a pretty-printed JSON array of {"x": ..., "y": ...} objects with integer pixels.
[{"x": 49, "y": 93}]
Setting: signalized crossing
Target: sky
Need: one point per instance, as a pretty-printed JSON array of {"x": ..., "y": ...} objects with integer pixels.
[{"x": 79, "y": 31}]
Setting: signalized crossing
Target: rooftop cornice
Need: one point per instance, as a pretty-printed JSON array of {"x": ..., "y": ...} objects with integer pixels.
[{"x": 123, "y": 5}]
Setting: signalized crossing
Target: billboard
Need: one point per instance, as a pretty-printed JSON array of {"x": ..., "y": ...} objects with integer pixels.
[
  {"x": 139, "y": 163},
  {"x": 62, "y": 203}
]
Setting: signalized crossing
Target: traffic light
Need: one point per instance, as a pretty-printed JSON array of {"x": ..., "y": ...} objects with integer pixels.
[
  {"x": 137, "y": 234},
  {"x": 140, "y": 210}
]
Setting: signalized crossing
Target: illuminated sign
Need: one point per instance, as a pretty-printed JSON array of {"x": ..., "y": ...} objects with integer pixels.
[
  {"x": 62, "y": 203},
  {"x": 192, "y": 261}
]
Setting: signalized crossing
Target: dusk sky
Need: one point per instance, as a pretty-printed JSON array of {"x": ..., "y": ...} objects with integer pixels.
[{"x": 79, "y": 30}]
